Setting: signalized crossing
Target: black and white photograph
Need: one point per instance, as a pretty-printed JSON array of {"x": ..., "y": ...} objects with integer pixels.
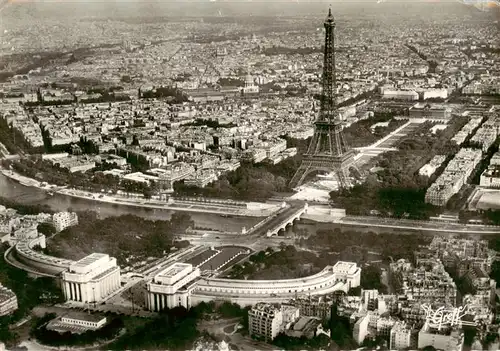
[{"x": 249, "y": 175}]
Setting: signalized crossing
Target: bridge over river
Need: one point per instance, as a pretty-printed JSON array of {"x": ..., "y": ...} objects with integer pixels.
[{"x": 279, "y": 221}]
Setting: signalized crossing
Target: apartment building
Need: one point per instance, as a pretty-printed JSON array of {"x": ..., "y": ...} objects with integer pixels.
[
  {"x": 74, "y": 163},
  {"x": 8, "y": 301},
  {"x": 449, "y": 340},
  {"x": 462, "y": 255},
  {"x": 430, "y": 111},
  {"x": 360, "y": 330},
  {"x": 486, "y": 134},
  {"x": 63, "y": 220},
  {"x": 455, "y": 175},
  {"x": 400, "y": 337},
  {"x": 427, "y": 282},
  {"x": 409, "y": 95},
  {"x": 201, "y": 178},
  {"x": 466, "y": 130},
  {"x": 466, "y": 248},
  {"x": 490, "y": 178},
  {"x": 429, "y": 168},
  {"x": 264, "y": 320},
  {"x": 315, "y": 306}
]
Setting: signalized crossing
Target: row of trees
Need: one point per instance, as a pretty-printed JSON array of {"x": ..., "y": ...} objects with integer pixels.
[
  {"x": 36, "y": 168},
  {"x": 176, "y": 329},
  {"x": 25, "y": 209},
  {"x": 250, "y": 182},
  {"x": 106, "y": 97},
  {"x": 285, "y": 342},
  {"x": 227, "y": 81},
  {"x": 398, "y": 190},
  {"x": 210, "y": 123},
  {"x": 173, "y": 94},
  {"x": 389, "y": 245},
  {"x": 489, "y": 216},
  {"x": 287, "y": 263},
  {"x": 121, "y": 237},
  {"x": 360, "y": 133}
]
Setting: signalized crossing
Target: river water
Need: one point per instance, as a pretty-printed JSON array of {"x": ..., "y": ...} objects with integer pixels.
[{"x": 28, "y": 195}]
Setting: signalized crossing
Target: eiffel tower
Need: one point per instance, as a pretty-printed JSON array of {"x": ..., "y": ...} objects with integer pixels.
[{"x": 328, "y": 150}]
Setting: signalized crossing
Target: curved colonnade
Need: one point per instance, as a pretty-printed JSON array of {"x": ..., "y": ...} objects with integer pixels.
[
  {"x": 186, "y": 287},
  {"x": 249, "y": 292},
  {"x": 195, "y": 289},
  {"x": 45, "y": 264}
]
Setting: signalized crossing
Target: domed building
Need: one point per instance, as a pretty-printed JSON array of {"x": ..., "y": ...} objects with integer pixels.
[{"x": 250, "y": 87}]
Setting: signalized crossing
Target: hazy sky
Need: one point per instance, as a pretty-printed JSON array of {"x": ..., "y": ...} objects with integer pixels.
[{"x": 147, "y": 8}]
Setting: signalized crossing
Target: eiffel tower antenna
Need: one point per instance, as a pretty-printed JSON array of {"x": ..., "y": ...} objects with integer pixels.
[{"x": 328, "y": 150}]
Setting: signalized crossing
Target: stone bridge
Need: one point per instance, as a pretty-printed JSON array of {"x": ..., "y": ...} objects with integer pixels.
[{"x": 284, "y": 219}]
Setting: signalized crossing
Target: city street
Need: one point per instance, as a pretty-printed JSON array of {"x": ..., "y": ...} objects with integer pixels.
[{"x": 422, "y": 226}]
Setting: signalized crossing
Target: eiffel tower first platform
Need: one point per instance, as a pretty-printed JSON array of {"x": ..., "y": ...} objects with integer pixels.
[{"x": 328, "y": 150}]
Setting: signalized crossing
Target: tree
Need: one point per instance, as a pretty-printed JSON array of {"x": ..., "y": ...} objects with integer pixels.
[
  {"x": 398, "y": 190},
  {"x": 30, "y": 293},
  {"x": 120, "y": 236},
  {"x": 172, "y": 329},
  {"x": 340, "y": 329},
  {"x": 230, "y": 82},
  {"x": 285, "y": 342},
  {"x": 180, "y": 222},
  {"x": 25, "y": 209},
  {"x": 355, "y": 291},
  {"x": 372, "y": 344},
  {"x": 148, "y": 193},
  {"x": 46, "y": 228},
  {"x": 6, "y": 335},
  {"x": 495, "y": 271},
  {"x": 231, "y": 310}
]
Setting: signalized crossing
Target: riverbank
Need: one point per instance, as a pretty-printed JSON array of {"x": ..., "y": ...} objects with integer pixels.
[
  {"x": 138, "y": 200},
  {"x": 209, "y": 218}
]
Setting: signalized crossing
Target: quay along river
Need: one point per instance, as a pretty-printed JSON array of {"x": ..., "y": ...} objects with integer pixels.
[{"x": 30, "y": 195}]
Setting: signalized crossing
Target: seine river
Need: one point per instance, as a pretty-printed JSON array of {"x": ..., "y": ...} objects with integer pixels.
[{"x": 28, "y": 195}]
